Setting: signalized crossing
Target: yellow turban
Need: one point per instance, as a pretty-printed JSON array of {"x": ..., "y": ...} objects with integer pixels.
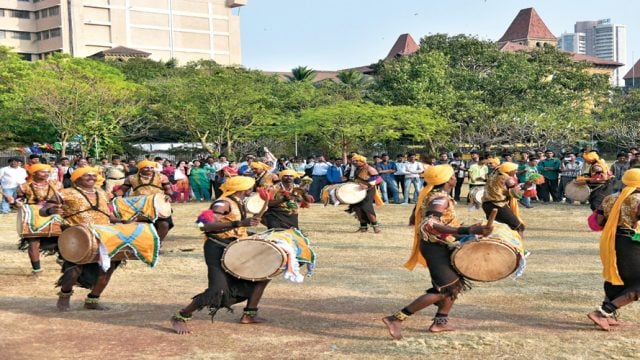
[
  {"x": 507, "y": 167},
  {"x": 493, "y": 160},
  {"x": 631, "y": 179},
  {"x": 257, "y": 165},
  {"x": 590, "y": 156},
  {"x": 434, "y": 176},
  {"x": 357, "y": 157},
  {"x": 288, "y": 172},
  {"x": 147, "y": 163},
  {"x": 79, "y": 172},
  {"x": 237, "y": 183},
  {"x": 38, "y": 167}
]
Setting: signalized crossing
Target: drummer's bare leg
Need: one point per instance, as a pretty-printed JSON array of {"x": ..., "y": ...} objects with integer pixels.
[
  {"x": 394, "y": 322},
  {"x": 441, "y": 320},
  {"x": 179, "y": 320},
  {"x": 250, "y": 313},
  {"x": 374, "y": 223},
  {"x": 70, "y": 277},
  {"x": 34, "y": 256},
  {"x": 162, "y": 227},
  {"x": 92, "y": 302}
]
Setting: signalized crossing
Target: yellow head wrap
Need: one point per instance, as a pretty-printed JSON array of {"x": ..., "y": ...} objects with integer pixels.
[
  {"x": 590, "y": 156},
  {"x": 507, "y": 167},
  {"x": 631, "y": 179},
  {"x": 237, "y": 183},
  {"x": 434, "y": 176},
  {"x": 493, "y": 160},
  {"x": 38, "y": 167},
  {"x": 357, "y": 157},
  {"x": 147, "y": 163},
  {"x": 288, "y": 172},
  {"x": 79, "y": 172},
  {"x": 257, "y": 165}
]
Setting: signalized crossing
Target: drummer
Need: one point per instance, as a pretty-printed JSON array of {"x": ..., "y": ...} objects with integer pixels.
[
  {"x": 225, "y": 290},
  {"x": 149, "y": 182},
  {"x": 263, "y": 175},
  {"x": 619, "y": 250},
  {"x": 84, "y": 203},
  {"x": 367, "y": 177},
  {"x": 598, "y": 178},
  {"x": 288, "y": 197},
  {"x": 502, "y": 193},
  {"x": 436, "y": 232},
  {"x": 37, "y": 191}
]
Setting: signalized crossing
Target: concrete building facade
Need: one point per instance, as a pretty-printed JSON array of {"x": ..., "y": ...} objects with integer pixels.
[{"x": 182, "y": 29}]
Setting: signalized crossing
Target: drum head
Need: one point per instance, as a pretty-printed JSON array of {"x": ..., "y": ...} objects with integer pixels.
[
  {"x": 476, "y": 194},
  {"x": 253, "y": 259},
  {"x": 254, "y": 203},
  {"x": 351, "y": 193},
  {"x": 577, "y": 192},
  {"x": 485, "y": 259},
  {"x": 163, "y": 206},
  {"x": 75, "y": 245}
]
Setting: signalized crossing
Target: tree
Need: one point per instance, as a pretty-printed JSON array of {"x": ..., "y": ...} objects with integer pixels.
[
  {"x": 617, "y": 124},
  {"x": 80, "y": 97},
  {"x": 302, "y": 73}
]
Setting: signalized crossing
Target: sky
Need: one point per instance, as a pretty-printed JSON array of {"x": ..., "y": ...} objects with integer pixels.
[{"x": 278, "y": 35}]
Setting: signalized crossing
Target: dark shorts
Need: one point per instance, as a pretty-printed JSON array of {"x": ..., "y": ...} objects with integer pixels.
[{"x": 505, "y": 215}]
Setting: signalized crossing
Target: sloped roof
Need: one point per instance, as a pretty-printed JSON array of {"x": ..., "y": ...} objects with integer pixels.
[
  {"x": 122, "y": 51},
  {"x": 527, "y": 25},
  {"x": 405, "y": 45},
  {"x": 634, "y": 72},
  {"x": 595, "y": 60},
  {"x": 511, "y": 46}
]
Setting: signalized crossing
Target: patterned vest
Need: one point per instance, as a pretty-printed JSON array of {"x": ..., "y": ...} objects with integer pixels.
[
  {"x": 78, "y": 209},
  {"x": 35, "y": 195},
  {"x": 142, "y": 187}
]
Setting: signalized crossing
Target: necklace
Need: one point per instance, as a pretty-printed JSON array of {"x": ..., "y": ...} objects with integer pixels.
[{"x": 92, "y": 191}]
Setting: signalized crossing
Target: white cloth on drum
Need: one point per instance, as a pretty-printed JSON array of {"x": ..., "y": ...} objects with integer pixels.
[{"x": 292, "y": 270}]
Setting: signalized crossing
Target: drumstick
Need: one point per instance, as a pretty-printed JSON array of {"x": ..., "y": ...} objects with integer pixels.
[
  {"x": 492, "y": 217},
  {"x": 264, "y": 208}
]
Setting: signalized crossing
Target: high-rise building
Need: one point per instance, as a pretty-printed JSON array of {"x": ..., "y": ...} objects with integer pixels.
[
  {"x": 182, "y": 29},
  {"x": 573, "y": 42},
  {"x": 602, "y": 39}
]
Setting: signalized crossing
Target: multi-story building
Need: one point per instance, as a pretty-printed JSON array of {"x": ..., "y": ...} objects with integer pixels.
[
  {"x": 182, "y": 29},
  {"x": 588, "y": 28},
  {"x": 573, "y": 42}
]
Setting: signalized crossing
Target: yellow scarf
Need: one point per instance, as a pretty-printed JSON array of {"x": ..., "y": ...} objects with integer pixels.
[
  {"x": 434, "y": 175},
  {"x": 631, "y": 179},
  {"x": 506, "y": 168}
]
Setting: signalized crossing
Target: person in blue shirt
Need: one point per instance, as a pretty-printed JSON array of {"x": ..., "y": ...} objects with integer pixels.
[
  {"x": 335, "y": 173},
  {"x": 387, "y": 169}
]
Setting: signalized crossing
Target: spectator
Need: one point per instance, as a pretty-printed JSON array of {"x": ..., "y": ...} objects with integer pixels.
[
  {"x": 618, "y": 168},
  {"x": 550, "y": 169},
  {"x": 569, "y": 171},
  {"x": 413, "y": 170},
  {"x": 11, "y": 177},
  {"x": 335, "y": 173},
  {"x": 400, "y": 173},
  {"x": 319, "y": 176},
  {"x": 199, "y": 182},
  {"x": 461, "y": 171},
  {"x": 387, "y": 169}
]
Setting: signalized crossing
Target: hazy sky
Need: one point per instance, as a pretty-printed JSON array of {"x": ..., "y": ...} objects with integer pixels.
[{"x": 337, "y": 34}]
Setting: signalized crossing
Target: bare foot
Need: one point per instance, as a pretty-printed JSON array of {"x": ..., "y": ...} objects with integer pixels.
[
  {"x": 95, "y": 306},
  {"x": 36, "y": 274},
  {"x": 63, "y": 303},
  {"x": 615, "y": 322},
  {"x": 600, "y": 320},
  {"x": 377, "y": 230},
  {"x": 440, "y": 326},
  {"x": 394, "y": 326},
  {"x": 251, "y": 319},
  {"x": 180, "y": 326}
]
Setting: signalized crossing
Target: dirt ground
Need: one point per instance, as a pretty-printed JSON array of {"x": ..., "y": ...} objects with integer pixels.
[{"x": 336, "y": 313}]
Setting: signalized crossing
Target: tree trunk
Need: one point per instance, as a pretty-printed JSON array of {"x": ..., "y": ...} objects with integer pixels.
[{"x": 63, "y": 140}]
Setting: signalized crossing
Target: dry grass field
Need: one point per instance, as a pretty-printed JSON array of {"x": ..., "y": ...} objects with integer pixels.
[{"x": 336, "y": 314}]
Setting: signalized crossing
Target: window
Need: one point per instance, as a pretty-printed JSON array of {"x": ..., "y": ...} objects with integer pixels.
[
  {"x": 3, "y": 34},
  {"x": 20, "y": 14},
  {"x": 44, "y": 13},
  {"x": 25, "y": 56},
  {"x": 45, "y": 35},
  {"x": 54, "y": 11},
  {"x": 1, "y": 12},
  {"x": 37, "y": 15},
  {"x": 23, "y": 0},
  {"x": 38, "y": 36},
  {"x": 55, "y": 32},
  {"x": 21, "y": 35}
]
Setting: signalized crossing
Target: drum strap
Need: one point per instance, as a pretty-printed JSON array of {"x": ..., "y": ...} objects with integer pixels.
[
  {"x": 95, "y": 207},
  {"x": 151, "y": 184}
]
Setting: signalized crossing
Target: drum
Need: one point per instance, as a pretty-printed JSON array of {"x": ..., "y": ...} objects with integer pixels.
[
  {"x": 350, "y": 193},
  {"x": 81, "y": 244},
  {"x": 253, "y": 259},
  {"x": 577, "y": 192},
  {"x": 267, "y": 254},
  {"x": 328, "y": 194},
  {"x": 475, "y": 195},
  {"x": 144, "y": 207},
  {"x": 254, "y": 203},
  {"x": 492, "y": 258},
  {"x": 31, "y": 225}
]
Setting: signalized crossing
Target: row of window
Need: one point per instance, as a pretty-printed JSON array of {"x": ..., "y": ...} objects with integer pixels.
[
  {"x": 22, "y": 14},
  {"x": 44, "y": 35},
  {"x": 23, "y": 35}
]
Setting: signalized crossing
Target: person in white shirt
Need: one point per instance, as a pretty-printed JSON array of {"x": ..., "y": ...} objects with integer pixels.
[
  {"x": 11, "y": 177},
  {"x": 413, "y": 170},
  {"x": 399, "y": 174},
  {"x": 319, "y": 176}
]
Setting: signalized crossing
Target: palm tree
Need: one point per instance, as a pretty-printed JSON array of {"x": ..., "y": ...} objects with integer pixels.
[
  {"x": 302, "y": 73},
  {"x": 352, "y": 78}
]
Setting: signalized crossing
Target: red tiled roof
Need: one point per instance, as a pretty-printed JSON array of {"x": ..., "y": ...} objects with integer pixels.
[
  {"x": 634, "y": 72},
  {"x": 595, "y": 60},
  {"x": 527, "y": 25},
  {"x": 405, "y": 45}
]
